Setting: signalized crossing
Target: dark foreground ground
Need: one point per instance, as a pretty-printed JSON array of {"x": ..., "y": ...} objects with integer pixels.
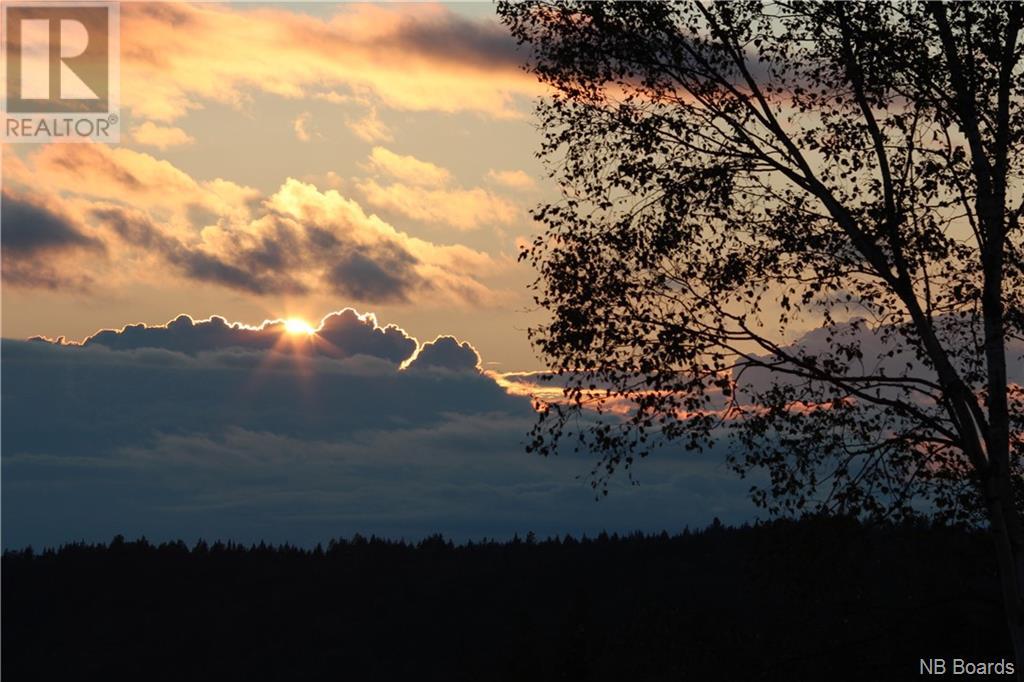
[{"x": 813, "y": 600}]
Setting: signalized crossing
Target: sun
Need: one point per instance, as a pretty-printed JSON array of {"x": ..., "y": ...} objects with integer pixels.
[{"x": 294, "y": 325}]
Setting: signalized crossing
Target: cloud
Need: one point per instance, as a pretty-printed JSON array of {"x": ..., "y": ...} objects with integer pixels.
[
  {"x": 445, "y": 352},
  {"x": 543, "y": 385},
  {"x": 259, "y": 270},
  {"x": 154, "y": 217},
  {"x": 855, "y": 349},
  {"x": 426, "y": 192},
  {"x": 161, "y": 137},
  {"x": 370, "y": 128},
  {"x": 221, "y": 430},
  {"x": 134, "y": 178},
  {"x": 175, "y": 57},
  {"x": 512, "y": 179},
  {"x": 340, "y": 334},
  {"x": 30, "y": 228},
  {"x": 408, "y": 169},
  {"x": 301, "y": 127},
  {"x": 860, "y": 348},
  {"x": 367, "y": 258},
  {"x": 36, "y": 242},
  {"x": 110, "y": 399},
  {"x": 463, "y": 209},
  {"x": 384, "y": 276}
]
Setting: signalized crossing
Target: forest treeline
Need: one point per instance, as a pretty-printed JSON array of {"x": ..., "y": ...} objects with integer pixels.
[{"x": 813, "y": 599}]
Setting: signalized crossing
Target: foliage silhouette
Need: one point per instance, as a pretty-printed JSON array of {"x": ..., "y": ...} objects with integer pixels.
[
  {"x": 732, "y": 172},
  {"x": 781, "y": 601}
]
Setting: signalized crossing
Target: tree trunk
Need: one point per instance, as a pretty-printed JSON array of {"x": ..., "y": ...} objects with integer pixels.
[{"x": 1010, "y": 560}]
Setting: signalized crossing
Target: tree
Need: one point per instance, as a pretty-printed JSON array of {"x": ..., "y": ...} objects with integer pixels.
[{"x": 735, "y": 173}]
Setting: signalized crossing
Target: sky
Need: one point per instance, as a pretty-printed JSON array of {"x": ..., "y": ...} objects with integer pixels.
[
  {"x": 412, "y": 120},
  {"x": 365, "y": 171}
]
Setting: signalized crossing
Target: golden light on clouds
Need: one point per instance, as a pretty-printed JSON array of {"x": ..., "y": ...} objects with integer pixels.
[
  {"x": 424, "y": 191},
  {"x": 161, "y": 137},
  {"x": 278, "y": 159},
  {"x": 298, "y": 240},
  {"x": 408, "y": 168},
  {"x": 175, "y": 56}
]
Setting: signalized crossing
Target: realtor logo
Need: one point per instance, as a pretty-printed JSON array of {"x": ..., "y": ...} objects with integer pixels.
[{"x": 61, "y": 70}]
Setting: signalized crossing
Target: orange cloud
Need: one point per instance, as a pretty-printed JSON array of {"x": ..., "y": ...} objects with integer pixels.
[
  {"x": 512, "y": 179},
  {"x": 154, "y": 218},
  {"x": 424, "y": 192},
  {"x": 126, "y": 176},
  {"x": 370, "y": 128},
  {"x": 161, "y": 137},
  {"x": 408, "y": 169},
  {"x": 463, "y": 209},
  {"x": 301, "y": 127},
  {"x": 449, "y": 270},
  {"x": 413, "y": 57}
]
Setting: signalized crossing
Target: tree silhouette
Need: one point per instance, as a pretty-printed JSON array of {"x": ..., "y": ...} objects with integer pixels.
[
  {"x": 754, "y": 602},
  {"x": 733, "y": 173}
]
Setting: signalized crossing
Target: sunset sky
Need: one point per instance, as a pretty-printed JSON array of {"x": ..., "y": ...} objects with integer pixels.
[
  {"x": 289, "y": 162},
  {"x": 408, "y": 127}
]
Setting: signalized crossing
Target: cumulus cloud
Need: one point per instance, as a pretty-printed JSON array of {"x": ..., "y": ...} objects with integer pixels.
[
  {"x": 341, "y": 334},
  {"x": 298, "y": 240},
  {"x": 368, "y": 259},
  {"x": 114, "y": 399},
  {"x": 445, "y": 352},
  {"x": 187, "y": 374},
  {"x": 175, "y": 57},
  {"x": 213, "y": 429},
  {"x": 260, "y": 270},
  {"x": 162, "y": 137}
]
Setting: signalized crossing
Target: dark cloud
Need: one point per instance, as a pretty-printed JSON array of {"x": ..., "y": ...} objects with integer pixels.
[
  {"x": 86, "y": 400},
  {"x": 438, "y": 37},
  {"x": 135, "y": 228},
  {"x": 29, "y": 228},
  {"x": 198, "y": 429},
  {"x": 446, "y": 352},
  {"x": 206, "y": 267},
  {"x": 261, "y": 270},
  {"x": 341, "y": 334},
  {"x": 362, "y": 336},
  {"x": 387, "y": 276},
  {"x": 281, "y": 257},
  {"x": 461, "y": 40},
  {"x": 32, "y": 235}
]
